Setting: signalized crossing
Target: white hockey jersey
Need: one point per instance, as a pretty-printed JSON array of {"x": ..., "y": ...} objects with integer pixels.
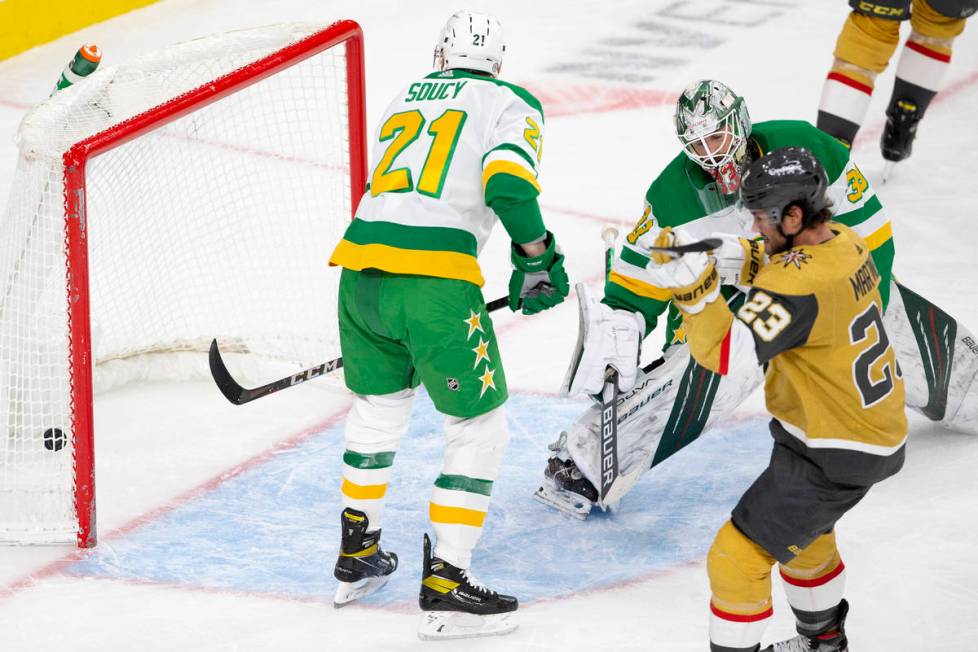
[{"x": 454, "y": 151}]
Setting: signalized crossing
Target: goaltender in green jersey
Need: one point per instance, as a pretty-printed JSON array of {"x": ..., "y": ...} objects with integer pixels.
[{"x": 666, "y": 406}]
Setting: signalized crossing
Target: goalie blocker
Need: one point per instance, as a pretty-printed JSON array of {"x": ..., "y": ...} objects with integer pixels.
[{"x": 675, "y": 400}]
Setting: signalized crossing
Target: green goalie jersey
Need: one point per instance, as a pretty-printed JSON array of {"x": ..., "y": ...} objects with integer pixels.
[
  {"x": 684, "y": 195},
  {"x": 454, "y": 152}
]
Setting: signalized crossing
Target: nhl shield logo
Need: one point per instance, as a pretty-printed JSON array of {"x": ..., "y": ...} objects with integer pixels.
[{"x": 452, "y": 384}]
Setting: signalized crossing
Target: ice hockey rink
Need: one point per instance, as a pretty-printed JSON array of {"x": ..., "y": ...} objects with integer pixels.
[{"x": 218, "y": 524}]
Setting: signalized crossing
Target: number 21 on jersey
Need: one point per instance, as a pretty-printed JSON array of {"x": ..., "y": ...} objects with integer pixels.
[{"x": 403, "y": 129}]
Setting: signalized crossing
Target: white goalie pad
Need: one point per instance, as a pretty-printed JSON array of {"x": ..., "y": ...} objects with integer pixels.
[
  {"x": 938, "y": 358},
  {"x": 644, "y": 413}
]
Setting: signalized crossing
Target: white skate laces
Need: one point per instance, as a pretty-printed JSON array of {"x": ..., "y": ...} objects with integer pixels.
[{"x": 475, "y": 583}]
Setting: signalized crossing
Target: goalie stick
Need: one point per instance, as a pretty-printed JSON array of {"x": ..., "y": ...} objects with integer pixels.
[
  {"x": 239, "y": 395},
  {"x": 609, "y": 393}
]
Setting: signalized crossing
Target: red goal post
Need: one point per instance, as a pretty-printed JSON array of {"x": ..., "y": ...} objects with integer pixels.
[{"x": 257, "y": 173}]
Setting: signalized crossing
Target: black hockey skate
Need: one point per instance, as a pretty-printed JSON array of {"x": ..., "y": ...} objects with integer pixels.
[
  {"x": 900, "y": 130},
  {"x": 456, "y": 605},
  {"x": 362, "y": 566},
  {"x": 899, "y": 133},
  {"x": 565, "y": 487},
  {"x": 831, "y": 639}
]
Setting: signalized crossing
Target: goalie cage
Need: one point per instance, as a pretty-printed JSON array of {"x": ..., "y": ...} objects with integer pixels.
[{"x": 192, "y": 193}]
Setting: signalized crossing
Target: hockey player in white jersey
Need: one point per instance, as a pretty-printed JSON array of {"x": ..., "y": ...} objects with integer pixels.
[{"x": 455, "y": 151}]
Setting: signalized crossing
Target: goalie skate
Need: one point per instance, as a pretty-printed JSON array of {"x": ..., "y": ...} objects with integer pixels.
[
  {"x": 567, "y": 502},
  {"x": 564, "y": 487}
]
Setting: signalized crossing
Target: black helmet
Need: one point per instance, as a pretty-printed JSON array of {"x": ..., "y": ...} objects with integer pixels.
[{"x": 790, "y": 175}]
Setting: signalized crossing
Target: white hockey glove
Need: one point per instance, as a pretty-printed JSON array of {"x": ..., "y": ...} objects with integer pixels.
[
  {"x": 607, "y": 338},
  {"x": 739, "y": 259},
  {"x": 692, "y": 277}
]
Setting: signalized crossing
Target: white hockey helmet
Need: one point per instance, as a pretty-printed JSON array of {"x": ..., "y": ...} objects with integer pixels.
[{"x": 472, "y": 41}]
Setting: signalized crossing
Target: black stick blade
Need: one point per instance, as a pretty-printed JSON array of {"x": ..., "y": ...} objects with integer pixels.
[
  {"x": 222, "y": 377},
  {"x": 709, "y": 244}
]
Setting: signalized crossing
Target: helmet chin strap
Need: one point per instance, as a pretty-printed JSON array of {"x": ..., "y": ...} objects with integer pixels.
[{"x": 789, "y": 239}]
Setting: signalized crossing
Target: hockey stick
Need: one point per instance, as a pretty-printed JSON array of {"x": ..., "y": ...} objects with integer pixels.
[
  {"x": 609, "y": 393},
  {"x": 709, "y": 244},
  {"x": 239, "y": 395}
]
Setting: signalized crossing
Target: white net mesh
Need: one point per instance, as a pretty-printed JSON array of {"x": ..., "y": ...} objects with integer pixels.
[{"x": 218, "y": 224}]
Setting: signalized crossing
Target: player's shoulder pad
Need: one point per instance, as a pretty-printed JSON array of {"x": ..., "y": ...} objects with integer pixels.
[
  {"x": 775, "y": 134},
  {"x": 518, "y": 91},
  {"x": 672, "y": 194},
  {"x": 796, "y": 271},
  {"x": 807, "y": 269}
]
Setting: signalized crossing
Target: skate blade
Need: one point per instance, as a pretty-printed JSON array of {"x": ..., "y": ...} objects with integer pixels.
[
  {"x": 888, "y": 170},
  {"x": 564, "y": 501},
  {"x": 444, "y": 625},
  {"x": 347, "y": 592}
]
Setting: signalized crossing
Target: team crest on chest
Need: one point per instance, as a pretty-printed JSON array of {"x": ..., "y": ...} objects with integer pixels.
[{"x": 796, "y": 257}]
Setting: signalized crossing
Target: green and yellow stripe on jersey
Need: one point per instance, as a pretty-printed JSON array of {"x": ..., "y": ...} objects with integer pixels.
[
  {"x": 509, "y": 182},
  {"x": 401, "y": 249}
]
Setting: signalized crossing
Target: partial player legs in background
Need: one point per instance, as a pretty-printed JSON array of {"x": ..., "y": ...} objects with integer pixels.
[
  {"x": 863, "y": 50},
  {"x": 455, "y": 604},
  {"x": 374, "y": 428},
  {"x": 920, "y": 73}
]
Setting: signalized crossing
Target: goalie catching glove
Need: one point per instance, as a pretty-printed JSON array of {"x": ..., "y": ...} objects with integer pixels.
[
  {"x": 692, "y": 277},
  {"x": 607, "y": 338},
  {"x": 538, "y": 282}
]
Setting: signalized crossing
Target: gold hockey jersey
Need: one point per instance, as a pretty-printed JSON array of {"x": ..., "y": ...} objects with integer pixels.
[{"x": 833, "y": 385}]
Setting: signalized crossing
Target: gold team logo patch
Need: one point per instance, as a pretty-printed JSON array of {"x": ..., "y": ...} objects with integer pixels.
[{"x": 796, "y": 257}]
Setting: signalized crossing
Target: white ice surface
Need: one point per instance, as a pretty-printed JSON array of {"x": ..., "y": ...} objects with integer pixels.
[{"x": 909, "y": 546}]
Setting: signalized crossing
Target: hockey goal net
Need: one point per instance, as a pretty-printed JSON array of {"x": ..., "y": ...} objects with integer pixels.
[{"x": 189, "y": 194}]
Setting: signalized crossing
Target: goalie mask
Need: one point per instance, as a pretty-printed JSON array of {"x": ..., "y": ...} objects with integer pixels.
[
  {"x": 713, "y": 125},
  {"x": 471, "y": 41}
]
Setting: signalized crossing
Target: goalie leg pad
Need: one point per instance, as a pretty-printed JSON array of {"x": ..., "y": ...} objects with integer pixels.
[
  {"x": 662, "y": 398},
  {"x": 938, "y": 359}
]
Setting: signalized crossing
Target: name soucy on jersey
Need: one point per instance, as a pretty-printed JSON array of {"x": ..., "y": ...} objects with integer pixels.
[{"x": 454, "y": 152}]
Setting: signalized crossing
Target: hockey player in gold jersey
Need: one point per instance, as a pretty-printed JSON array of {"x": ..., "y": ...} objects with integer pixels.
[
  {"x": 814, "y": 317},
  {"x": 868, "y": 39}
]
